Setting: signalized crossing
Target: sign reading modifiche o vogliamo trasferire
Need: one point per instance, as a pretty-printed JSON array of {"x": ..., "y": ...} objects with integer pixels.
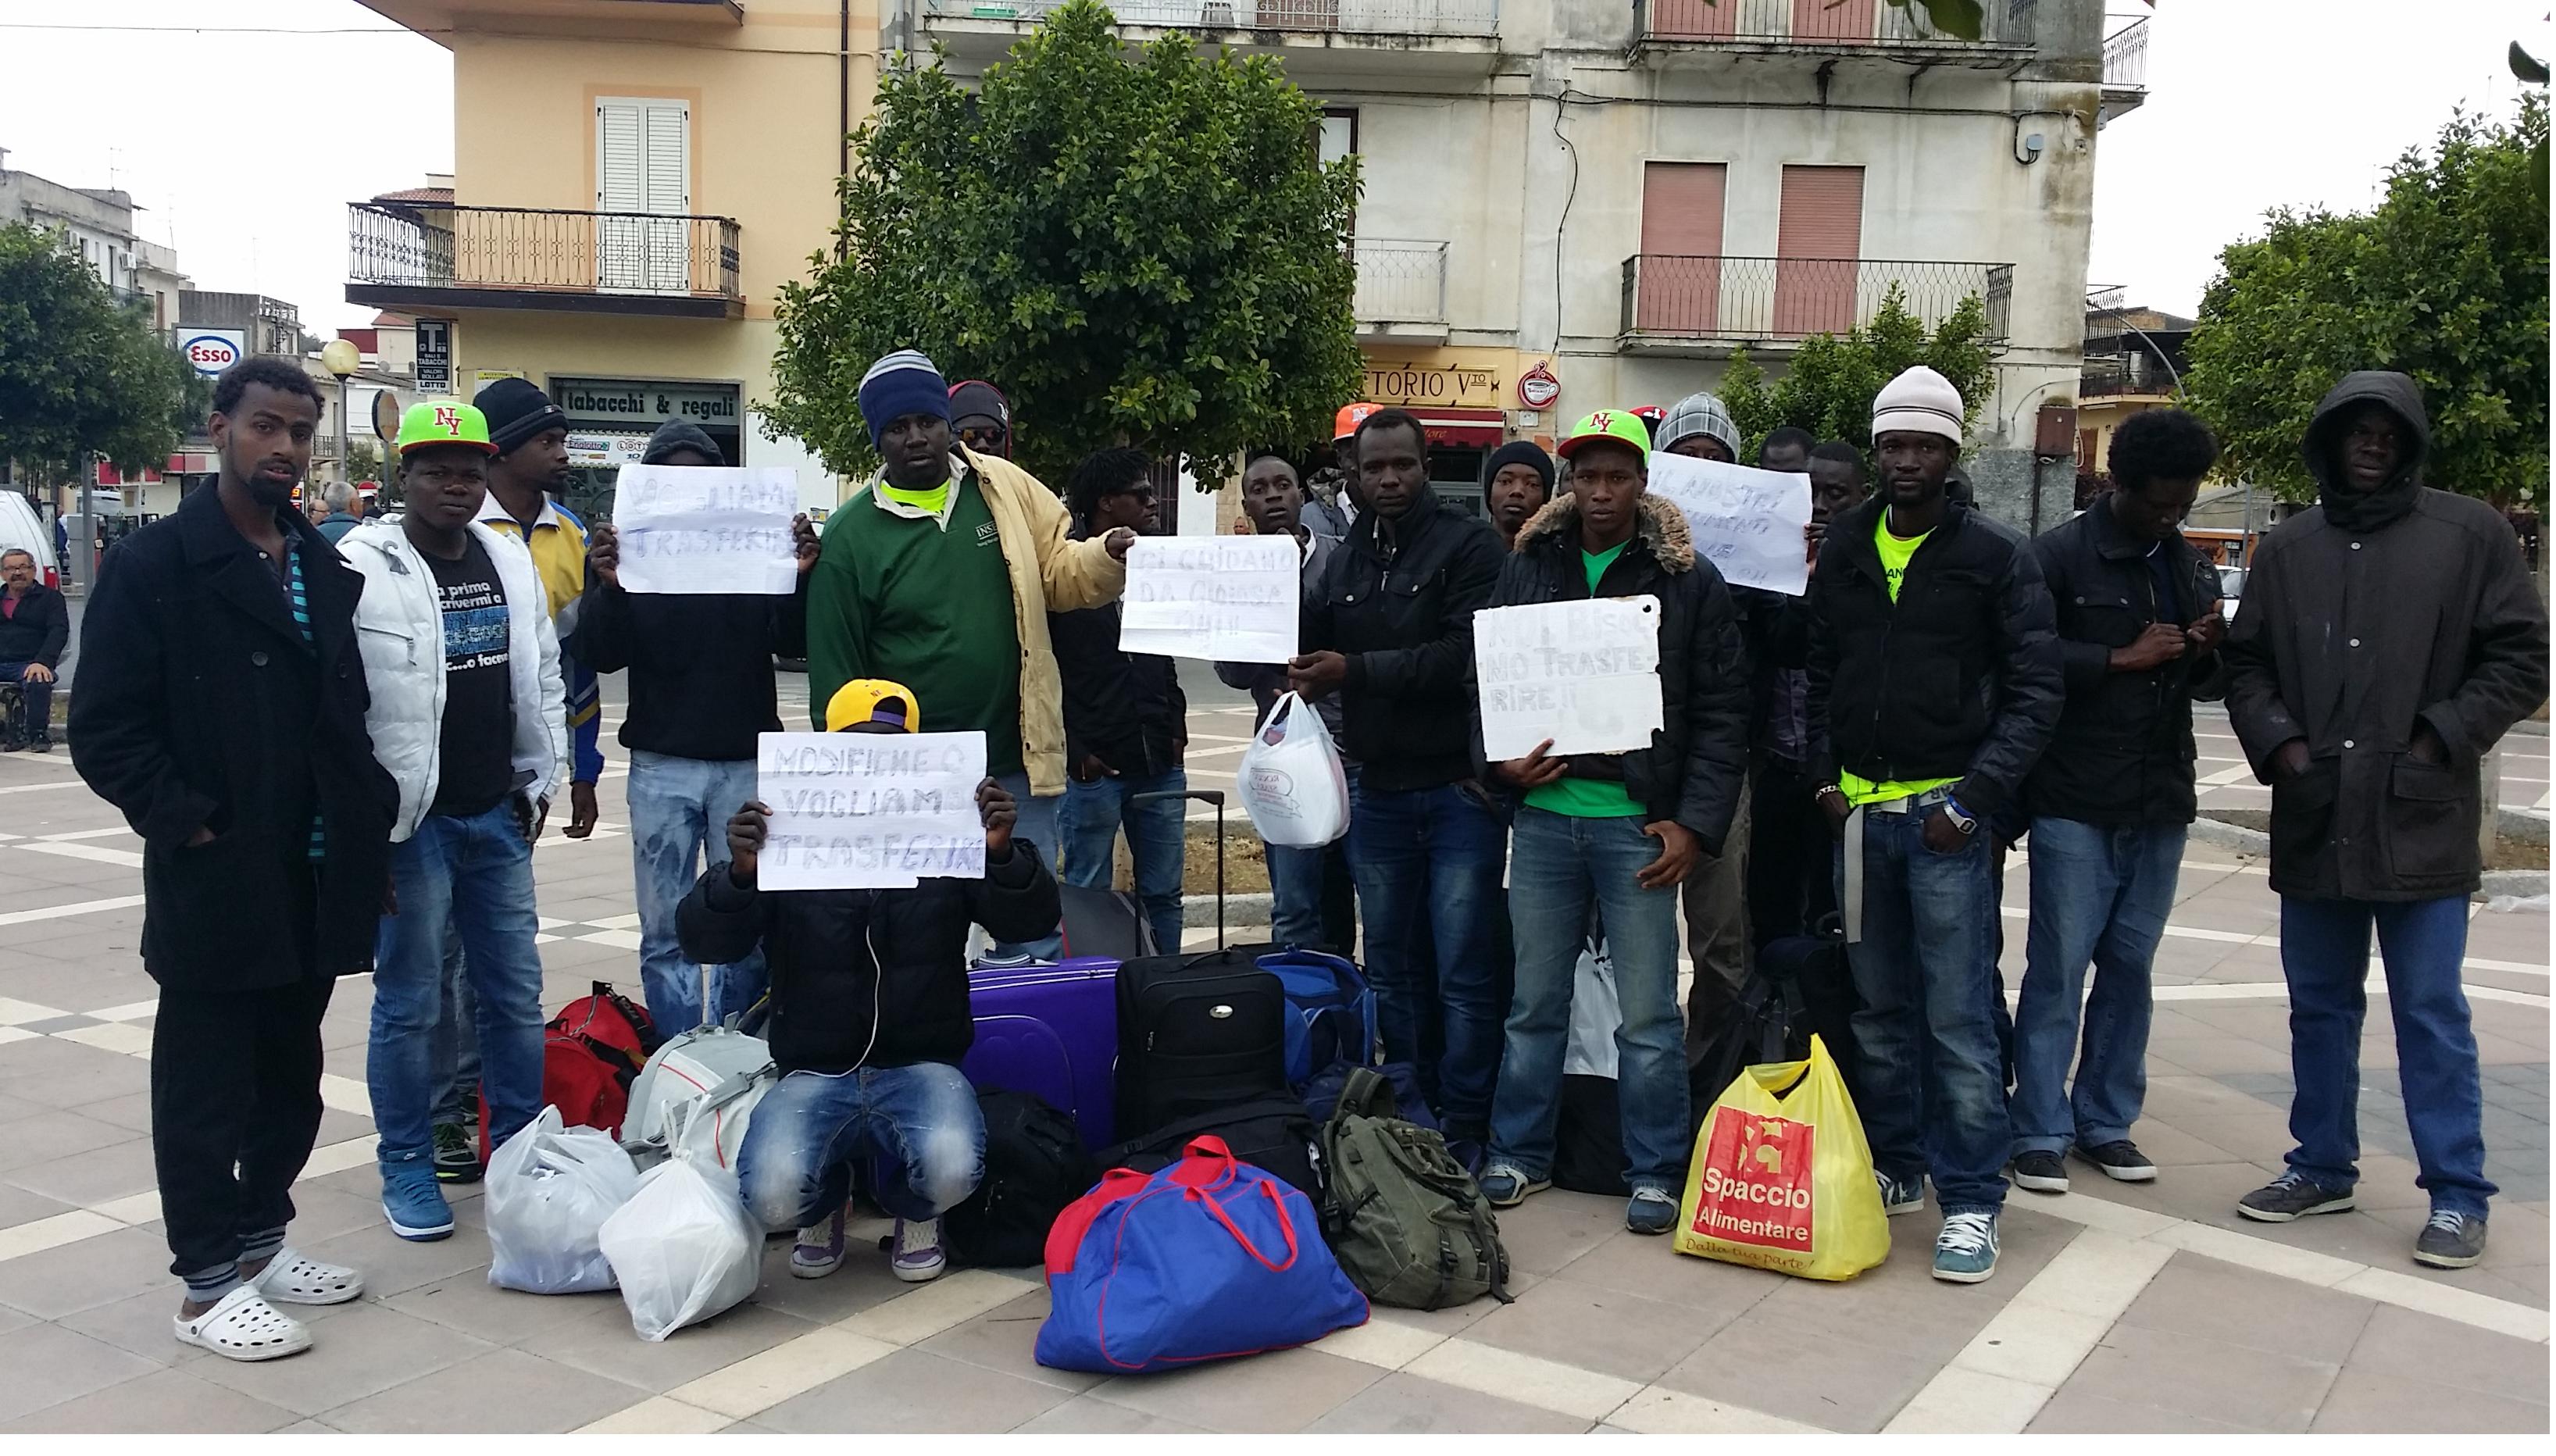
[{"x": 869, "y": 810}]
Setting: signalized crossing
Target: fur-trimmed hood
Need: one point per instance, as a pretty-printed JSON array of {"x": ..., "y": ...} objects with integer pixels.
[{"x": 1660, "y": 530}]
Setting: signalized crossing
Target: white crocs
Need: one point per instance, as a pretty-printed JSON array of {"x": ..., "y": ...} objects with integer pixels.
[
  {"x": 243, "y": 1326},
  {"x": 291, "y": 1279}
]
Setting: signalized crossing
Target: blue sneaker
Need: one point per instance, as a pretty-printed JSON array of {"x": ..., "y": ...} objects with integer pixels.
[
  {"x": 1506, "y": 1187},
  {"x": 1651, "y": 1211},
  {"x": 1966, "y": 1250},
  {"x": 1899, "y": 1196},
  {"x": 413, "y": 1203}
]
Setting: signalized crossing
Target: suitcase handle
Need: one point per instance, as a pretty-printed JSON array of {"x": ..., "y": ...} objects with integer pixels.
[{"x": 1214, "y": 797}]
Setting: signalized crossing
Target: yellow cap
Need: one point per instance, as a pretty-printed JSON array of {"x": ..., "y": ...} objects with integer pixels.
[{"x": 872, "y": 700}]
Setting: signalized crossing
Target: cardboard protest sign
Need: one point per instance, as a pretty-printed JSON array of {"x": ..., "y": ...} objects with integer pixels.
[
  {"x": 869, "y": 810},
  {"x": 1586, "y": 675},
  {"x": 1747, "y": 522},
  {"x": 703, "y": 530},
  {"x": 1223, "y": 598}
]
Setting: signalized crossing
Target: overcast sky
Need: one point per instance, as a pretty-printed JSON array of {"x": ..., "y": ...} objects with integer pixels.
[{"x": 244, "y": 147}]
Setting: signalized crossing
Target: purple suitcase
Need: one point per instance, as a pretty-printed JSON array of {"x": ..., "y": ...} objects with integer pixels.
[{"x": 1051, "y": 1031}]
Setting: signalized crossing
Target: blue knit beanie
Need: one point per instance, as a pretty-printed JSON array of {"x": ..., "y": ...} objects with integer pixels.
[{"x": 901, "y": 384}]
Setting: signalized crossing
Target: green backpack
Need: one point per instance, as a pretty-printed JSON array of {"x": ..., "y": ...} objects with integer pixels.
[{"x": 1403, "y": 1217}]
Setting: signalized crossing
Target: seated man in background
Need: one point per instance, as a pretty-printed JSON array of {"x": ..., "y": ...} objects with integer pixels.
[{"x": 869, "y": 1020}]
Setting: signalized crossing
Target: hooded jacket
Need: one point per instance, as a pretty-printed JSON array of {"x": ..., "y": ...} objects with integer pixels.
[
  {"x": 867, "y": 977},
  {"x": 2364, "y": 617},
  {"x": 1959, "y": 679},
  {"x": 1699, "y": 757}
]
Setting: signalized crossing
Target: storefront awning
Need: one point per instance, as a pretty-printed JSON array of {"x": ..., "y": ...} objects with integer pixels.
[{"x": 1464, "y": 429}]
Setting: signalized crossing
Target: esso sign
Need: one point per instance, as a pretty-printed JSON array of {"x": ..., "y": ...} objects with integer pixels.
[{"x": 211, "y": 353}]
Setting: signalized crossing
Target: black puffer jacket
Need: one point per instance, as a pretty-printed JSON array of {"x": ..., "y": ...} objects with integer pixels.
[
  {"x": 1956, "y": 679},
  {"x": 2364, "y": 617},
  {"x": 1699, "y": 758},
  {"x": 2122, "y": 754},
  {"x": 1402, "y": 612},
  {"x": 833, "y": 1008},
  {"x": 1125, "y": 709}
]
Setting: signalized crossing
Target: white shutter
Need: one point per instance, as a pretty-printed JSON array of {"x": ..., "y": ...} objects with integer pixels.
[{"x": 643, "y": 164}]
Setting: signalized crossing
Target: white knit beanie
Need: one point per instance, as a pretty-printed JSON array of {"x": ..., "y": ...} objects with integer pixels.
[{"x": 1919, "y": 399}]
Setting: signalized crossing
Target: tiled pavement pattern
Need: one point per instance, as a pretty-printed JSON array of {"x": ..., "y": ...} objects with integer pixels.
[{"x": 2115, "y": 1308}]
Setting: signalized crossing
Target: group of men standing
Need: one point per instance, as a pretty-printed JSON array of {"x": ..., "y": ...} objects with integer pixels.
[{"x": 340, "y": 752}]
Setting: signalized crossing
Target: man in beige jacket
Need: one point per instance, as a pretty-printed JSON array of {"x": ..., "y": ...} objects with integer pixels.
[{"x": 940, "y": 574}]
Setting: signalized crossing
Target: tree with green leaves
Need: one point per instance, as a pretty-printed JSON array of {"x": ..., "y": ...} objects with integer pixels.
[
  {"x": 2445, "y": 280},
  {"x": 1138, "y": 249},
  {"x": 1829, "y": 389},
  {"x": 82, "y": 375}
]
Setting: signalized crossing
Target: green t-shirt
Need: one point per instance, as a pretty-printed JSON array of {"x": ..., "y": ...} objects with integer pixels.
[
  {"x": 926, "y": 604},
  {"x": 1895, "y": 553},
  {"x": 1589, "y": 799}
]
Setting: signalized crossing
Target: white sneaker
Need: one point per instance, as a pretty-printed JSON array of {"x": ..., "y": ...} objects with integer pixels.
[{"x": 241, "y": 1325}]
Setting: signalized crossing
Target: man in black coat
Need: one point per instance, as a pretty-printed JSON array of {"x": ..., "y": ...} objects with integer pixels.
[
  {"x": 35, "y": 626},
  {"x": 2113, "y": 798},
  {"x": 221, "y": 708},
  {"x": 1934, "y": 682},
  {"x": 1617, "y": 833},
  {"x": 1391, "y": 631},
  {"x": 2387, "y": 637}
]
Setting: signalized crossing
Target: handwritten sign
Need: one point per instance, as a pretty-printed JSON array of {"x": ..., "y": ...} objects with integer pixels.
[
  {"x": 1225, "y": 598},
  {"x": 1586, "y": 675},
  {"x": 869, "y": 810},
  {"x": 1747, "y": 522},
  {"x": 695, "y": 530}
]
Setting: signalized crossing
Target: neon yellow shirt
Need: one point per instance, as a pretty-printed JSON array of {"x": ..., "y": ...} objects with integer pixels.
[
  {"x": 929, "y": 500},
  {"x": 1896, "y": 550},
  {"x": 1589, "y": 799}
]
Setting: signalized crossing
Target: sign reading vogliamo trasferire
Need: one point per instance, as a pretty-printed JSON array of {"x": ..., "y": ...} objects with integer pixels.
[{"x": 643, "y": 402}]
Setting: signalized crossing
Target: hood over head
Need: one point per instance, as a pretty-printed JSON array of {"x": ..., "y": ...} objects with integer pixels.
[
  {"x": 2352, "y": 510},
  {"x": 679, "y": 435}
]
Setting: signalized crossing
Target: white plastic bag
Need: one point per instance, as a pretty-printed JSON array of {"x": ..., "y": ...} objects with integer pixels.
[
  {"x": 550, "y": 1189},
  {"x": 1291, "y": 780},
  {"x": 684, "y": 1248},
  {"x": 1595, "y": 1017}
]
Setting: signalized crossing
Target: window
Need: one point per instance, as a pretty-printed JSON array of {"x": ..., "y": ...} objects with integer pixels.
[
  {"x": 643, "y": 165},
  {"x": 1818, "y": 235},
  {"x": 1678, "y": 288}
]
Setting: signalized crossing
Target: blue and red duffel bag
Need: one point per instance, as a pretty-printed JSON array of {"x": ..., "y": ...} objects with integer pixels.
[{"x": 1207, "y": 1260}]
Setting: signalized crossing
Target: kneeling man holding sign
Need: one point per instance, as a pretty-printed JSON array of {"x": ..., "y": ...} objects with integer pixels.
[
  {"x": 1615, "y": 702},
  {"x": 870, "y": 986}
]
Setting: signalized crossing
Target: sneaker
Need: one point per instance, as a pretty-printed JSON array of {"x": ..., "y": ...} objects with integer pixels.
[
  {"x": 2121, "y": 1161},
  {"x": 40, "y": 745},
  {"x": 918, "y": 1256},
  {"x": 2291, "y": 1195},
  {"x": 1651, "y": 1211},
  {"x": 820, "y": 1248},
  {"x": 1898, "y": 1196},
  {"x": 2452, "y": 1240},
  {"x": 2042, "y": 1173},
  {"x": 413, "y": 1203},
  {"x": 1507, "y": 1187},
  {"x": 1966, "y": 1250},
  {"x": 456, "y": 1154}
]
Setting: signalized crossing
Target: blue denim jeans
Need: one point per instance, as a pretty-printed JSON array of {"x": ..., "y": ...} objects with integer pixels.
[
  {"x": 1433, "y": 856},
  {"x": 2100, "y": 895},
  {"x": 1926, "y": 971},
  {"x": 919, "y": 1126},
  {"x": 474, "y": 876},
  {"x": 1037, "y": 825},
  {"x": 679, "y": 814},
  {"x": 1086, "y": 826},
  {"x": 2325, "y": 957},
  {"x": 1560, "y": 865},
  {"x": 38, "y": 701},
  {"x": 456, "y": 1042},
  {"x": 1310, "y": 899}
]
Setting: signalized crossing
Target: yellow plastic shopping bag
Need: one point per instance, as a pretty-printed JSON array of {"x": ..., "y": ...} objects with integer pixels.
[{"x": 1782, "y": 1177}]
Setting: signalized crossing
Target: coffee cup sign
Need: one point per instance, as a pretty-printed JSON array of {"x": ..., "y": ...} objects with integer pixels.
[{"x": 869, "y": 810}]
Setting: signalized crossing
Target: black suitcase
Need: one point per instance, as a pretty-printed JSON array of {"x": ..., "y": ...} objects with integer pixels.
[{"x": 1199, "y": 1032}]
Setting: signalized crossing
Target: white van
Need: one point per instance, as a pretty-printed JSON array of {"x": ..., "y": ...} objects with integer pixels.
[{"x": 21, "y": 528}]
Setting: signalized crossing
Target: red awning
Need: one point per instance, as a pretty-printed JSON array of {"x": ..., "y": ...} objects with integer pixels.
[{"x": 1464, "y": 429}]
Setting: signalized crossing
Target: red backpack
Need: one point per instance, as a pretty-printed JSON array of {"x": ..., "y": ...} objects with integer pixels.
[{"x": 591, "y": 1052}]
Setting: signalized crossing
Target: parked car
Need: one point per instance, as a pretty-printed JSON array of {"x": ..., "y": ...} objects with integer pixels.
[{"x": 21, "y": 528}]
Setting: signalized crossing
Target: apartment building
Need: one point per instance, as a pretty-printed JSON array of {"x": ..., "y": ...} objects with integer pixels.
[{"x": 633, "y": 181}]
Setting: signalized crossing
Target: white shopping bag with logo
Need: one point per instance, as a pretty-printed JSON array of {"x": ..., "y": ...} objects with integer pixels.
[{"x": 1291, "y": 780}]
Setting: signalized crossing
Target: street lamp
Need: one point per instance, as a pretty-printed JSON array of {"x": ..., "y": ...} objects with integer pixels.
[{"x": 341, "y": 358}]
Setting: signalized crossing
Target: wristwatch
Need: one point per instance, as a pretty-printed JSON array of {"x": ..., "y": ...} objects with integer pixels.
[{"x": 1961, "y": 820}]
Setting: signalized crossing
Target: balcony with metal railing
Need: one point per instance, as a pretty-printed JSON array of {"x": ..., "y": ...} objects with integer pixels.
[
  {"x": 432, "y": 257},
  {"x": 2126, "y": 71},
  {"x": 1827, "y": 28},
  {"x": 1405, "y": 35},
  {"x": 1402, "y": 287},
  {"x": 1690, "y": 305}
]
